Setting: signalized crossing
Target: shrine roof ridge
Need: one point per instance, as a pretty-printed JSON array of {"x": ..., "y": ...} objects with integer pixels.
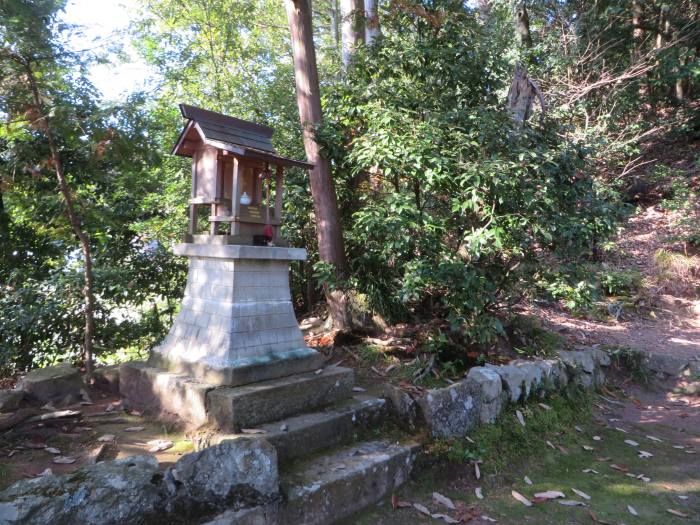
[{"x": 231, "y": 134}]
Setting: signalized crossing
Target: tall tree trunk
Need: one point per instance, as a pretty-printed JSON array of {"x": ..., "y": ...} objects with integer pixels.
[
  {"x": 335, "y": 22},
  {"x": 372, "y": 27},
  {"x": 523, "y": 90},
  {"x": 328, "y": 230},
  {"x": 484, "y": 8},
  {"x": 352, "y": 15},
  {"x": 73, "y": 218}
]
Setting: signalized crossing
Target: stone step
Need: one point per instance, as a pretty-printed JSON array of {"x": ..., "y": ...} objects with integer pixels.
[
  {"x": 331, "y": 487},
  {"x": 234, "y": 408},
  {"x": 306, "y": 434}
]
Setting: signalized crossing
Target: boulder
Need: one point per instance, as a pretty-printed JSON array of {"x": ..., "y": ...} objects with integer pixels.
[
  {"x": 113, "y": 492},
  {"x": 513, "y": 379},
  {"x": 533, "y": 376},
  {"x": 600, "y": 357},
  {"x": 489, "y": 392},
  {"x": 10, "y": 400},
  {"x": 669, "y": 365},
  {"x": 403, "y": 407},
  {"x": 578, "y": 360},
  {"x": 451, "y": 411},
  {"x": 59, "y": 385},
  {"x": 107, "y": 378},
  {"x": 235, "y": 474},
  {"x": 554, "y": 376}
]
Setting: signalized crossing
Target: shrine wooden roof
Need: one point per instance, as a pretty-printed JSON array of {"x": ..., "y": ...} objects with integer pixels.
[{"x": 240, "y": 137}]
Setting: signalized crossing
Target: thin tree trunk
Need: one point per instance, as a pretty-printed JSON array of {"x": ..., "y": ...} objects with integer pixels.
[
  {"x": 372, "y": 27},
  {"x": 523, "y": 90},
  {"x": 328, "y": 229},
  {"x": 74, "y": 220},
  {"x": 352, "y": 16}
]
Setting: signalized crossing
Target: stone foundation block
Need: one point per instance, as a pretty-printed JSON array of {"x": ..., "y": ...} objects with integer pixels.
[
  {"x": 231, "y": 409},
  {"x": 172, "y": 396},
  {"x": 450, "y": 411}
]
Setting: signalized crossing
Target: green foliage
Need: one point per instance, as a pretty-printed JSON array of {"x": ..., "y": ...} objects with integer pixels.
[{"x": 451, "y": 205}]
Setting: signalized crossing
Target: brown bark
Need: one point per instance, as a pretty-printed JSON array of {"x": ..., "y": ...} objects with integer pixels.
[
  {"x": 328, "y": 230},
  {"x": 72, "y": 218}
]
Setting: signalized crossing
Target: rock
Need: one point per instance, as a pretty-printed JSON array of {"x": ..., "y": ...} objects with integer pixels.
[
  {"x": 403, "y": 407},
  {"x": 513, "y": 379},
  {"x": 600, "y": 357},
  {"x": 262, "y": 515},
  {"x": 450, "y": 411},
  {"x": 489, "y": 391},
  {"x": 114, "y": 492},
  {"x": 533, "y": 375},
  {"x": 10, "y": 400},
  {"x": 239, "y": 473},
  {"x": 554, "y": 376},
  {"x": 667, "y": 364},
  {"x": 579, "y": 360},
  {"x": 107, "y": 378},
  {"x": 59, "y": 385}
]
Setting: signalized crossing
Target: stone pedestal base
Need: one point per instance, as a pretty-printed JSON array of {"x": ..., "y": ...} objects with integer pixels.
[{"x": 236, "y": 324}]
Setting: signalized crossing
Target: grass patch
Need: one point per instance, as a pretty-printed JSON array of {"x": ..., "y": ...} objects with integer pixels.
[{"x": 506, "y": 442}]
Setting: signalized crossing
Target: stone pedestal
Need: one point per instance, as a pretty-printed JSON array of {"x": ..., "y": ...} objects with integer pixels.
[{"x": 236, "y": 324}]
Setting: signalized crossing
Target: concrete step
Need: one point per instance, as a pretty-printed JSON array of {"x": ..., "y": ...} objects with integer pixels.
[
  {"x": 328, "y": 488},
  {"x": 234, "y": 408},
  {"x": 306, "y": 434}
]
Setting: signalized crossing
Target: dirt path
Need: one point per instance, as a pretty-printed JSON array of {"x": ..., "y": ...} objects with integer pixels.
[{"x": 670, "y": 323}]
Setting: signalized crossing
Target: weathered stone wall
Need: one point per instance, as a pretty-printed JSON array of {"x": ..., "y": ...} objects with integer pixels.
[{"x": 482, "y": 395}]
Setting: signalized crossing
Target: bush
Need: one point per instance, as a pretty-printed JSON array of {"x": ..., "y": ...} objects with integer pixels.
[{"x": 448, "y": 208}]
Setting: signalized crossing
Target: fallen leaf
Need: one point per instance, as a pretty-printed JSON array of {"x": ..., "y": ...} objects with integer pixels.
[
  {"x": 632, "y": 510},
  {"x": 106, "y": 438},
  {"x": 545, "y": 406},
  {"x": 444, "y": 517},
  {"x": 253, "y": 431},
  {"x": 45, "y": 472},
  {"x": 522, "y": 499},
  {"x": 478, "y": 493},
  {"x": 63, "y": 460},
  {"x": 470, "y": 440},
  {"x": 581, "y": 493},
  {"x": 597, "y": 438},
  {"x": 562, "y": 449},
  {"x": 520, "y": 417},
  {"x": 645, "y": 455},
  {"x": 52, "y": 450},
  {"x": 679, "y": 447},
  {"x": 550, "y": 494},
  {"x": 159, "y": 445},
  {"x": 136, "y": 413},
  {"x": 621, "y": 468},
  {"x": 487, "y": 518},
  {"x": 422, "y": 509},
  {"x": 590, "y": 471},
  {"x": 319, "y": 371},
  {"x": 654, "y": 438},
  {"x": 339, "y": 466},
  {"x": 527, "y": 480},
  {"x": 677, "y": 513},
  {"x": 571, "y": 503},
  {"x": 134, "y": 429},
  {"x": 394, "y": 501},
  {"x": 443, "y": 500},
  {"x": 358, "y": 389},
  {"x": 621, "y": 430},
  {"x": 587, "y": 447},
  {"x": 578, "y": 429},
  {"x": 631, "y": 443},
  {"x": 550, "y": 445},
  {"x": 284, "y": 427},
  {"x": 603, "y": 459},
  {"x": 477, "y": 471},
  {"x": 683, "y": 497}
]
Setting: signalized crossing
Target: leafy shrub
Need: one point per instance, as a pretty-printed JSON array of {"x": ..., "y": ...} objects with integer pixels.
[{"x": 451, "y": 207}]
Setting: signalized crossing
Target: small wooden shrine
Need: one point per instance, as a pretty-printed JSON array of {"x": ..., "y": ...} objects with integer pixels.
[{"x": 237, "y": 179}]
